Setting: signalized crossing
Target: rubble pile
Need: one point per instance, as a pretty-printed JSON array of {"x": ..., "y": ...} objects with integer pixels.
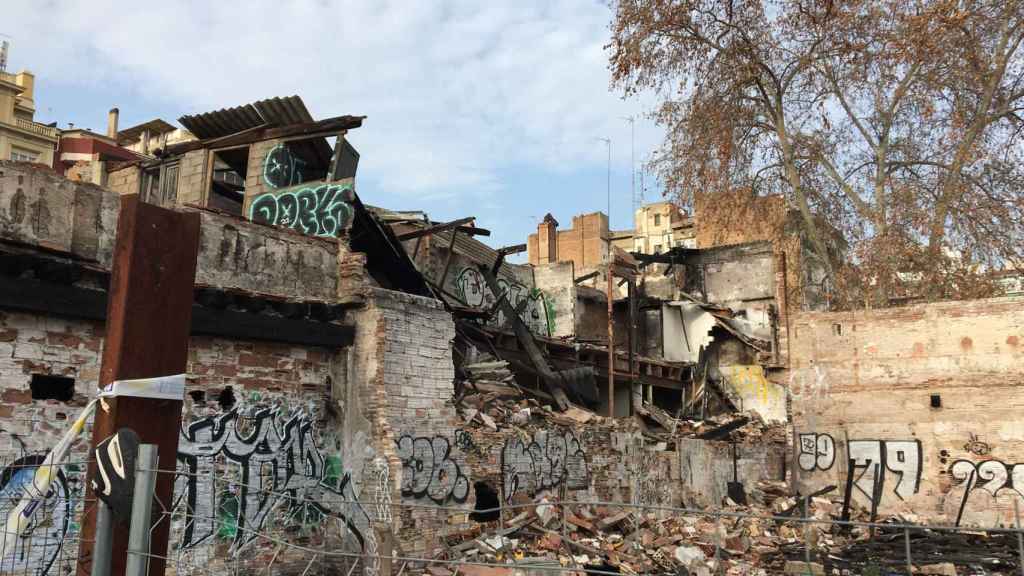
[
  {"x": 771, "y": 540},
  {"x": 768, "y": 533}
]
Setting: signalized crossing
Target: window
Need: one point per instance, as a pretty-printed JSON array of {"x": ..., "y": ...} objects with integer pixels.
[
  {"x": 657, "y": 219},
  {"x": 48, "y": 387},
  {"x": 160, "y": 185},
  {"x": 657, "y": 248},
  {"x": 19, "y": 155}
]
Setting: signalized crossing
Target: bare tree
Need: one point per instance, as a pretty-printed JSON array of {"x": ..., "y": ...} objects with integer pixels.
[{"x": 895, "y": 122}]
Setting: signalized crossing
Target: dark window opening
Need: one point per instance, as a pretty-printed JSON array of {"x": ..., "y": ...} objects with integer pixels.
[
  {"x": 936, "y": 401},
  {"x": 837, "y": 329},
  {"x": 198, "y": 396},
  {"x": 226, "y": 398},
  {"x": 47, "y": 387},
  {"x": 488, "y": 508},
  {"x": 227, "y": 181},
  {"x": 657, "y": 219}
]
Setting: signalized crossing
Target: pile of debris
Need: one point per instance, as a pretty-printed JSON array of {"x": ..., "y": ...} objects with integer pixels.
[
  {"x": 491, "y": 397},
  {"x": 742, "y": 540}
]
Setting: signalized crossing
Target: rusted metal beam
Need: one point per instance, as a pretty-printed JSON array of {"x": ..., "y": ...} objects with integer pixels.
[
  {"x": 611, "y": 344},
  {"x": 148, "y": 318}
]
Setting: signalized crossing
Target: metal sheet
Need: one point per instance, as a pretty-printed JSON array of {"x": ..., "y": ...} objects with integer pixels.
[{"x": 272, "y": 111}]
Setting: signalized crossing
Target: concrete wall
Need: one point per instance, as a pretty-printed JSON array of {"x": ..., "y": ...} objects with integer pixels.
[
  {"x": 555, "y": 283},
  {"x": 928, "y": 393},
  {"x": 39, "y": 208}
]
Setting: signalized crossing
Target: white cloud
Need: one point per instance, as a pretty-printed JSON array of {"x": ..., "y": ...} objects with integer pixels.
[{"x": 454, "y": 91}]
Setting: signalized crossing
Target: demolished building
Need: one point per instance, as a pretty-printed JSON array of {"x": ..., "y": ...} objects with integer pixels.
[{"x": 373, "y": 383}]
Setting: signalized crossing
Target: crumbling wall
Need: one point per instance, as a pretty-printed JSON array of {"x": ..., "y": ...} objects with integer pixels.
[
  {"x": 39, "y": 208},
  {"x": 707, "y": 467},
  {"x": 414, "y": 377},
  {"x": 467, "y": 284},
  {"x": 555, "y": 282},
  {"x": 923, "y": 398}
]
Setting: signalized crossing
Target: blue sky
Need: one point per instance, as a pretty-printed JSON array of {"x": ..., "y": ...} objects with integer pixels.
[{"x": 490, "y": 109}]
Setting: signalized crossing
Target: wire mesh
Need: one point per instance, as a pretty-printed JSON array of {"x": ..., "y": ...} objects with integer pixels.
[
  {"x": 278, "y": 525},
  {"x": 307, "y": 532}
]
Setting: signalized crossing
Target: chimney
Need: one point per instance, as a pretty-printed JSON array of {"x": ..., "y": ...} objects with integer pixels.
[
  {"x": 547, "y": 240},
  {"x": 112, "y": 123}
]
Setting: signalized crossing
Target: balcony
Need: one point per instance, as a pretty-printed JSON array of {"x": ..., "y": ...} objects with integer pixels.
[{"x": 35, "y": 128}]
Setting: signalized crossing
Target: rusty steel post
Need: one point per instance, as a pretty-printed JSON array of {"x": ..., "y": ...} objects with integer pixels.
[
  {"x": 149, "y": 316},
  {"x": 611, "y": 340}
]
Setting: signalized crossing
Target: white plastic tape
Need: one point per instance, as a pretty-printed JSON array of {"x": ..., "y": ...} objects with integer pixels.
[{"x": 161, "y": 388}]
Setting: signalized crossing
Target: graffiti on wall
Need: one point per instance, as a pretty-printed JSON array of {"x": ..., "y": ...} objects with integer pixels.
[
  {"x": 988, "y": 483},
  {"x": 276, "y": 476},
  {"x": 537, "y": 312},
  {"x": 874, "y": 464},
  {"x": 323, "y": 209},
  {"x": 817, "y": 452},
  {"x": 429, "y": 471},
  {"x": 648, "y": 473},
  {"x": 282, "y": 168},
  {"x": 51, "y": 522},
  {"x": 542, "y": 462}
]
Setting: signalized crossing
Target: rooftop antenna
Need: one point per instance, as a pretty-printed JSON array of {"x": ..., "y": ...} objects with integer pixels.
[{"x": 632, "y": 161}]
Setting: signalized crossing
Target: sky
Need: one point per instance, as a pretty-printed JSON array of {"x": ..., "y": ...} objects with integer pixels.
[{"x": 486, "y": 109}]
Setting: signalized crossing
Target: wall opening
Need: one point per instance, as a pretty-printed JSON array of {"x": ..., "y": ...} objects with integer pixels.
[
  {"x": 198, "y": 396},
  {"x": 48, "y": 387},
  {"x": 226, "y": 398},
  {"x": 227, "y": 181},
  {"x": 936, "y": 401},
  {"x": 487, "y": 504}
]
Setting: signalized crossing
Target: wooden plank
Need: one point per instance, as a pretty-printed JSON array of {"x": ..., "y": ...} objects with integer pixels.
[
  {"x": 149, "y": 314},
  {"x": 435, "y": 229},
  {"x": 515, "y": 249}
]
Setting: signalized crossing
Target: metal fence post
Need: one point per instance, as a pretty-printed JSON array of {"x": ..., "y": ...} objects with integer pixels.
[
  {"x": 1020, "y": 537},
  {"x": 142, "y": 511},
  {"x": 101, "y": 549},
  {"x": 906, "y": 543},
  {"x": 807, "y": 534}
]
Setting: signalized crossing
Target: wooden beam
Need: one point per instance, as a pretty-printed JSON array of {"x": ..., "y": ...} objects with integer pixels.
[
  {"x": 149, "y": 313},
  {"x": 74, "y": 302},
  {"x": 435, "y": 228},
  {"x": 525, "y": 338},
  {"x": 586, "y": 277},
  {"x": 515, "y": 249}
]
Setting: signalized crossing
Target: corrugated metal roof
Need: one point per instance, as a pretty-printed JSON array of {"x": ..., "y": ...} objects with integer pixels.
[{"x": 271, "y": 112}]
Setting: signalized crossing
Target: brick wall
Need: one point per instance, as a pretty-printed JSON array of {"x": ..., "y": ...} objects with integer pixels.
[
  {"x": 585, "y": 243},
  {"x": 929, "y": 393},
  {"x": 124, "y": 181},
  {"x": 247, "y": 389},
  {"x": 192, "y": 184}
]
